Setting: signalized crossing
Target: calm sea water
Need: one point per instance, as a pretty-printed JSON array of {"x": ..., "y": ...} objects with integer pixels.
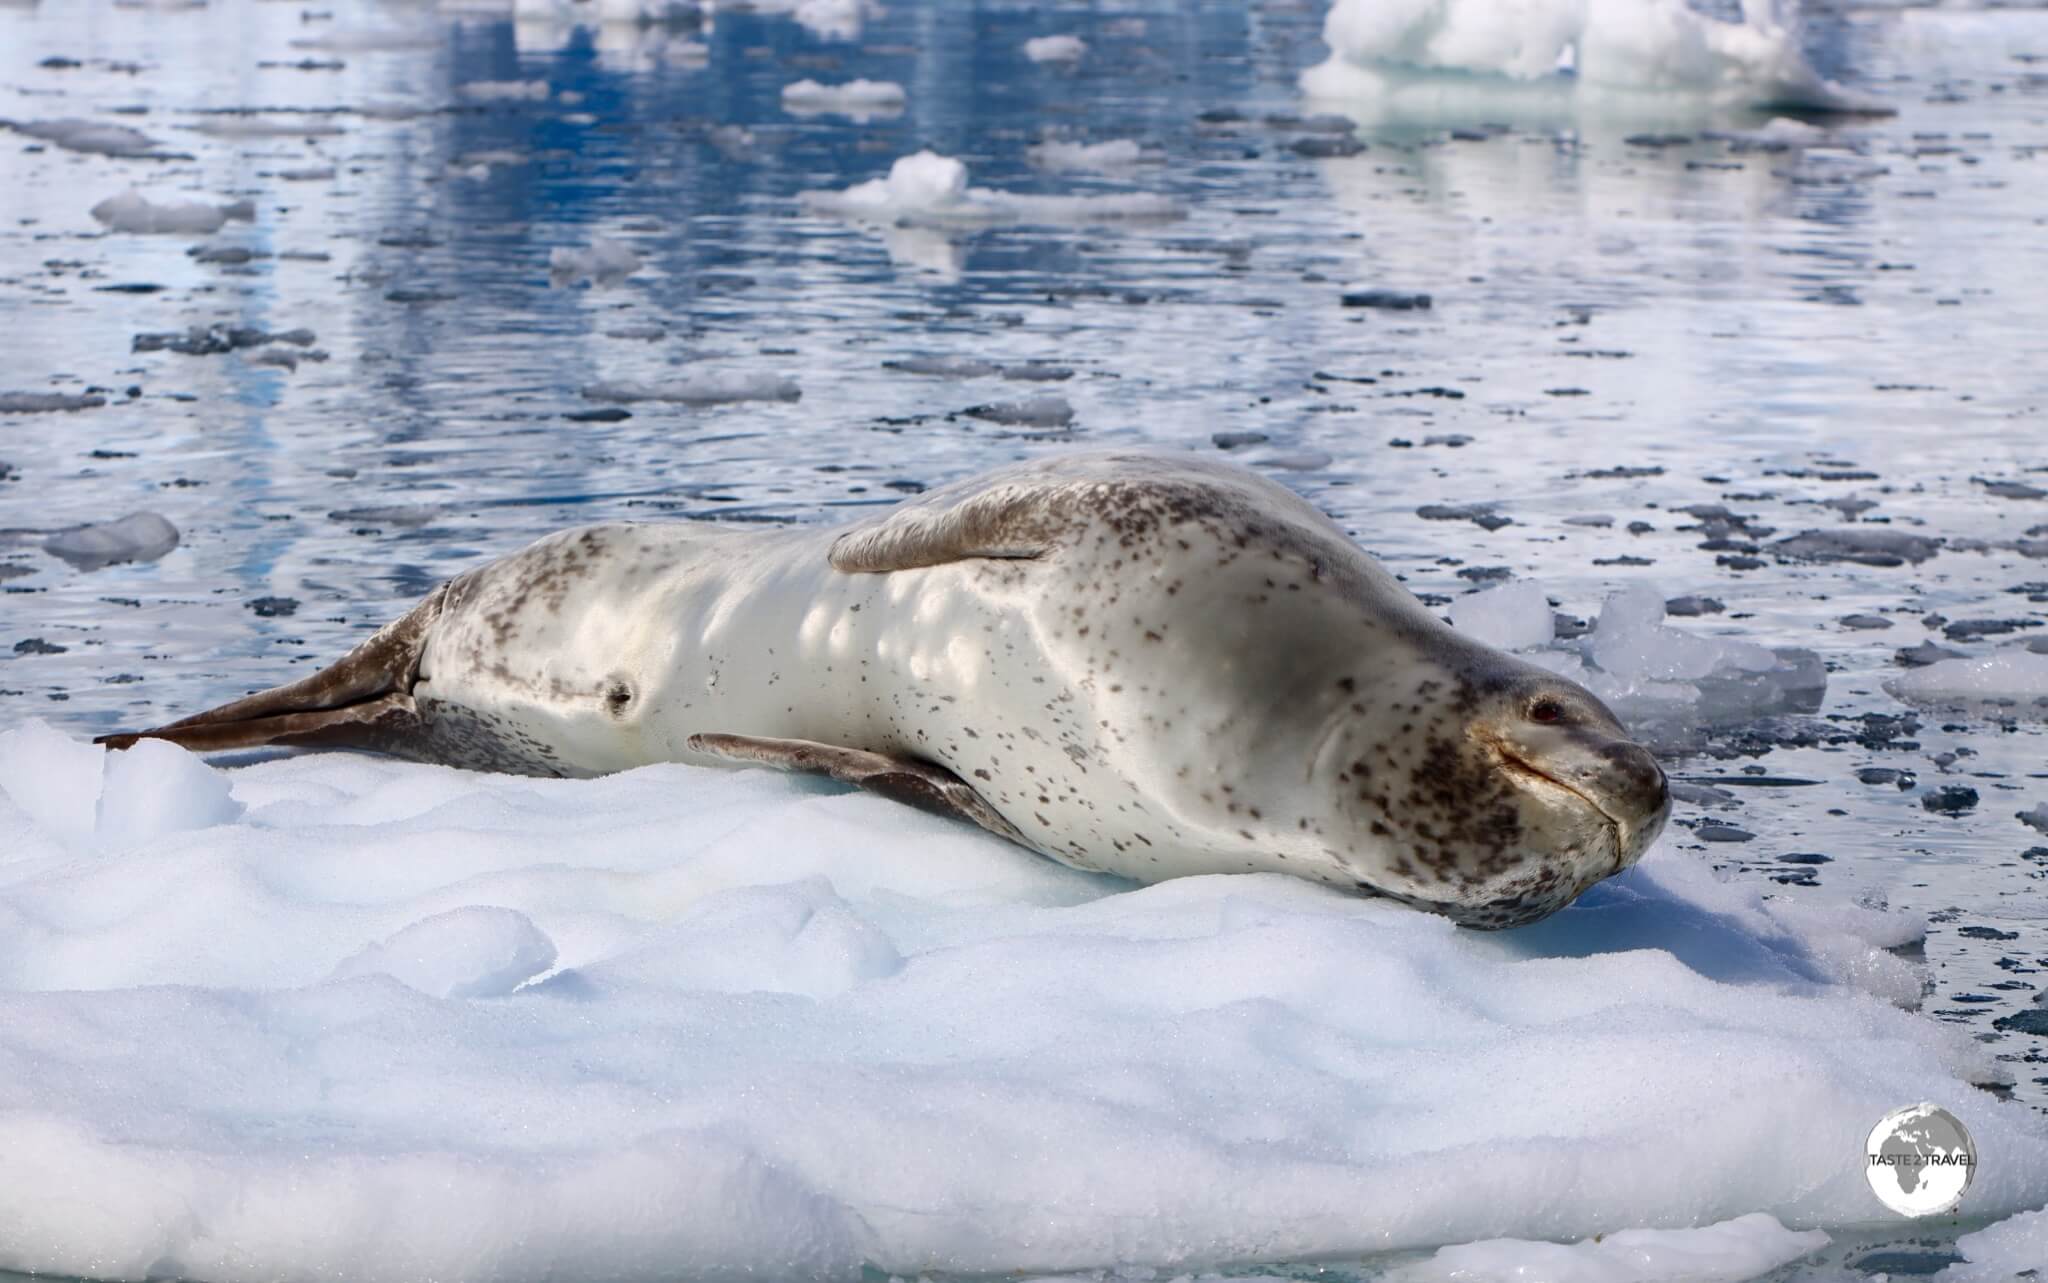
[{"x": 1804, "y": 338}]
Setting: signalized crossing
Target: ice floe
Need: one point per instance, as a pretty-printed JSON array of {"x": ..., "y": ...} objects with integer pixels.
[
  {"x": 131, "y": 211},
  {"x": 48, "y": 402},
  {"x": 504, "y": 90},
  {"x": 603, "y": 263},
  {"x": 931, "y": 189},
  {"x": 93, "y": 137},
  {"x": 1586, "y": 50},
  {"x": 2012, "y": 681},
  {"x": 1055, "y": 49},
  {"x": 141, "y": 536},
  {"x": 385, "y": 1021},
  {"x": 1666, "y": 684},
  {"x": 1118, "y": 153},
  {"x": 858, "y": 100},
  {"x": 1733, "y": 1251},
  {"x": 706, "y": 387}
]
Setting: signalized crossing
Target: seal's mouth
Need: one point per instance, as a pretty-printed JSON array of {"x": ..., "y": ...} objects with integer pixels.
[{"x": 1531, "y": 775}]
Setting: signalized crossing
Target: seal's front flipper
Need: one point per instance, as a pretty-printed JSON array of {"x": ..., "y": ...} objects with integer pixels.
[
  {"x": 920, "y": 784},
  {"x": 363, "y": 701}
]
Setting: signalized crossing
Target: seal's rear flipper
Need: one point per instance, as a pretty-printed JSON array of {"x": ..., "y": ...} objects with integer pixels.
[
  {"x": 363, "y": 701},
  {"x": 920, "y": 784}
]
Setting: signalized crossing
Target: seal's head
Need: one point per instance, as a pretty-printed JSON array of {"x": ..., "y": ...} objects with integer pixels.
[{"x": 1508, "y": 791}]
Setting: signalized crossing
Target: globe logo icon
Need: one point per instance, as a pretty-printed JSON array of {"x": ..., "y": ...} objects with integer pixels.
[{"x": 1920, "y": 1160}]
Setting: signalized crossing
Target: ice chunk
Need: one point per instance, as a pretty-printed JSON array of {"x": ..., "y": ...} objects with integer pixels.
[
  {"x": 47, "y": 402},
  {"x": 708, "y": 387},
  {"x": 2012, "y": 1249},
  {"x": 1630, "y": 643},
  {"x": 860, "y": 100},
  {"x": 1593, "y": 52},
  {"x": 1860, "y": 544},
  {"x": 1119, "y": 153},
  {"x": 472, "y": 952},
  {"x": 1513, "y": 616},
  {"x": 140, "y": 536},
  {"x": 606, "y": 262},
  {"x": 245, "y": 126},
  {"x": 505, "y": 90},
  {"x": 1055, "y": 48},
  {"x": 2010, "y": 681},
  {"x": 1049, "y": 411},
  {"x": 154, "y": 789},
  {"x": 131, "y": 211},
  {"x": 93, "y": 137},
  {"x": 1726, "y": 1252},
  {"x": 825, "y": 19},
  {"x": 932, "y": 189}
]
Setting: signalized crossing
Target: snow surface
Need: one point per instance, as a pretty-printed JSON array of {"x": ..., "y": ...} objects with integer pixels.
[
  {"x": 1597, "y": 48},
  {"x": 348, "y": 1017},
  {"x": 926, "y": 187},
  {"x": 131, "y": 211},
  {"x": 1732, "y": 1251},
  {"x": 858, "y": 100}
]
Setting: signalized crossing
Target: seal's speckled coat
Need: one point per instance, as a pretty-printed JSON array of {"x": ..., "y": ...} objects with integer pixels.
[{"x": 1152, "y": 665}]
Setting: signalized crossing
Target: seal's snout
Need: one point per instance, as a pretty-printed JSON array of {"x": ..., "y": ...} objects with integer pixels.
[{"x": 1631, "y": 776}]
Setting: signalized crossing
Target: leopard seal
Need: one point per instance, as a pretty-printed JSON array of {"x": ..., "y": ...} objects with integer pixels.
[{"x": 1152, "y": 665}]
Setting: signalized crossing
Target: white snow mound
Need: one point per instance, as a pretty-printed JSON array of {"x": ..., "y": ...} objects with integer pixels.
[{"x": 383, "y": 1021}]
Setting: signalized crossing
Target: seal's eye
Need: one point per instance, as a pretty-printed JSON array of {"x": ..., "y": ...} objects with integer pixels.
[{"x": 1546, "y": 710}]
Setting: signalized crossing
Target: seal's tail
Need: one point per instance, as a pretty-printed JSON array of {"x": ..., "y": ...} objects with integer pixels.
[{"x": 362, "y": 701}]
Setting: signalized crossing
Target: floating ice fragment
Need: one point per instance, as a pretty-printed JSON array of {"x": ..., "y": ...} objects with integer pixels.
[
  {"x": 1055, "y": 48},
  {"x": 155, "y": 789},
  {"x": 92, "y": 137},
  {"x": 131, "y": 211},
  {"x": 825, "y": 19},
  {"x": 2012, "y": 1249},
  {"x": 860, "y": 100},
  {"x": 47, "y": 402},
  {"x": 701, "y": 388},
  {"x": 1859, "y": 544},
  {"x": 927, "y": 188},
  {"x": 241, "y": 126},
  {"x": 604, "y": 263},
  {"x": 1512, "y": 616},
  {"x": 1050, "y": 411},
  {"x": 1119, "y": 153},
  {"x": 1602, "y": 52},
  {"x": 2011, "y": 681},
  {"x": 504, "y": 90},
  {"x": 472, "y": 952},
  {"x": 1727, "y": 1252},
  {"x": 141, "y": 536}
]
